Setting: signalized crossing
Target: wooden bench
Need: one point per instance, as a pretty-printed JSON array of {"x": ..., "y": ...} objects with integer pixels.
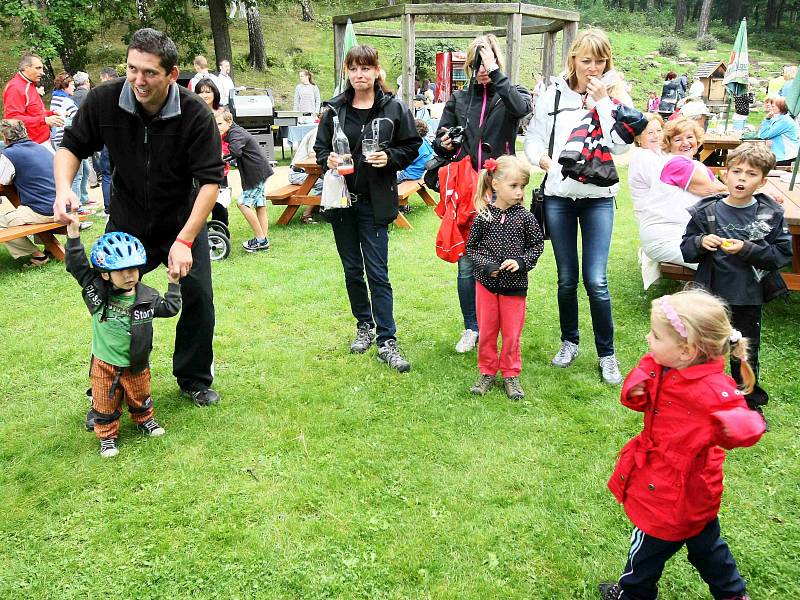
[
  {"x": 404, "y": 191},
  {"x": 676, "y": 272}
]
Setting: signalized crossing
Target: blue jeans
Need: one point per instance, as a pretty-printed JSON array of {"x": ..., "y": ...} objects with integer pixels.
[
  {"x": 361, "y": 243},
  {"x": 105, "y": 173},
  {"x": 596, "y": 219},
  {"x": 80, "y": 185},
  {"x": 466, "y": 292}
]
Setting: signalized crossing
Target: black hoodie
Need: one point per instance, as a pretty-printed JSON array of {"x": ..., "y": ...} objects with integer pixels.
[{"x": 396, "y": 125}]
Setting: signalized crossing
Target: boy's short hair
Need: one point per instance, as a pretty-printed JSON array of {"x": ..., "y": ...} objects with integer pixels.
[
  {"x": 227, "y": 116},
  {"x": 422, "y": 127},
  {"x": 756, "y": 154}
]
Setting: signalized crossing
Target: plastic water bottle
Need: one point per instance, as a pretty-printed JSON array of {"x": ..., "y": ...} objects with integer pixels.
[
  {"x": 342, "y": 147},
  {"x": 713, "y": 124}
]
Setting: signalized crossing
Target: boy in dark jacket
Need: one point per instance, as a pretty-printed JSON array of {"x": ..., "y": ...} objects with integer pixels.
[
  {"x": 254, "y": 170},
  {"x": 122, "y": 312},
  {"x": 740, "y": 241}
]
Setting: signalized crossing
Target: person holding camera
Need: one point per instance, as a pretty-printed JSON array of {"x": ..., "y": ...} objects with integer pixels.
[
  {"x": 588, "y": 84},
  {"x": 478, "y": 123}
]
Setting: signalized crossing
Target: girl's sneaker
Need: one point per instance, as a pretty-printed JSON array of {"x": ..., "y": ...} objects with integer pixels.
[
  {"x": 483, "y": 385},
  {"x": 151, "y": 428},
  {"x": 609, "y": 591},
  {"x": 513, "y": 388},
  {"x": 108, "y": 448}
]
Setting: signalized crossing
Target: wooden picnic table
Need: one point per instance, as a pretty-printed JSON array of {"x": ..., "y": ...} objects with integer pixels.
[
  {"x": 791, "y": 206},
  {"x": 45, "y": 231},
  {"x": 722, "y": 142}
]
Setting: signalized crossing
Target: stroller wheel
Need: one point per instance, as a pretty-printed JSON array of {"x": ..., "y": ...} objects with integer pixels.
[
  {"x": 220, "y": 227},
  {"x": 219, "y": 245}
]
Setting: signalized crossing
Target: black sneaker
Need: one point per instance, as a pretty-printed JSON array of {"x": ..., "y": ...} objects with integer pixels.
[
  {"x": 253, "y": 245},
  {"x": 151, "y": 428},
  {"x": 390, "y": 354},
  {"x": 364, "y": 338},
  {"x": 204, "y": 397},
  {"x": 609, "y": 591},
  {"x": 108, "y": 448}
]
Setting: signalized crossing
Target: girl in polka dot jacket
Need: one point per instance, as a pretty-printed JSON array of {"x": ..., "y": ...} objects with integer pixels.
[
  {"x": 504, "y": 243},
  {"x": 669, "y": 477}
]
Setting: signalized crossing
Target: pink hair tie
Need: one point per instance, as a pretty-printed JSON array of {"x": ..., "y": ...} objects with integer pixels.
[{"x": 673, "y": 317}]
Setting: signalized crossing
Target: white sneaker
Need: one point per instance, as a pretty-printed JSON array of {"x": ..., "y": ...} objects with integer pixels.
[
  {"x": 565, "y": 355},
  {"x": 467, "y": 342},
  {"x": 609, "y": 370}
]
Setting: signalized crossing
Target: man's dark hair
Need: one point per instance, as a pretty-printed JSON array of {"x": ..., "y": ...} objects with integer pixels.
[
  {"x": 109, "y": 72},
  {"x": 27, "y": 60},
  {"x": 155, "y": 42}
]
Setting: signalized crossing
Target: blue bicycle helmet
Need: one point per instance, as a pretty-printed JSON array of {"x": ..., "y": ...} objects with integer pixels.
[{"x": 116, "y": 251}]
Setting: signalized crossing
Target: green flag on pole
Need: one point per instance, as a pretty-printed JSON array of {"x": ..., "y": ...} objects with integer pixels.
[
  {"x": 736, "y": 76},
  {"x": 348, "y": 42}
]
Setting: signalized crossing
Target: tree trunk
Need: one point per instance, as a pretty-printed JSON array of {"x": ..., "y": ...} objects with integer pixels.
[
  {"x": 258, "y": 56},
  {"x": 771, "y": 18},
  {"x": 308, "y": 10},
  {"x": 680, "y": 15},
  {"x": 734, "y": 13},
  {"x": 705, "y": 15},
  {"x": 218, "y": 15}
]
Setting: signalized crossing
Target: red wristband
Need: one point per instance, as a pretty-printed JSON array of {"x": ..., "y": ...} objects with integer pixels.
[{"x": 184, "y": 242}]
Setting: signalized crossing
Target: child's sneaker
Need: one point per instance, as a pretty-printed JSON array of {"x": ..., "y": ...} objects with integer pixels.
[
  {"x": 609, "y": 591},
  {"x": 151, "y": 428},
  {"x": 108, "y": 448},
  {"x": 483, "y": 385},
  {"x": 513, "y": 388},
  {"x": 390, "y": 354},
  {"x": 253, "y": 245}
]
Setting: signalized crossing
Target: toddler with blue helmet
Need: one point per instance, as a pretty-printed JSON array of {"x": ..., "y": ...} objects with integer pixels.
[{"x": 122, "y": 310}]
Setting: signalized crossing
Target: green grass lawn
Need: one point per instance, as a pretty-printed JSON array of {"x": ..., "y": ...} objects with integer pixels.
[{"x": 326, "y": 475}]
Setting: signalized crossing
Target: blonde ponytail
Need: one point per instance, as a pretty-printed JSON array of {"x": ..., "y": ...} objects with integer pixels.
[
  {"x": 739, "y": 350},
  {"x": 483, "y": 193}
]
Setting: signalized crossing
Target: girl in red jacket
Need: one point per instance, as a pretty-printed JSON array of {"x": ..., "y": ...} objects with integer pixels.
[{"x": 669, "y": 477}]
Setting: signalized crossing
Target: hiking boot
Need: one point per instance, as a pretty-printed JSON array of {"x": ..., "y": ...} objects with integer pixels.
[
  {"x": 609, "y": 591},
  {"x": 609, "y": 370},
  {"x": 483, "y": 385},
  {"x": 151, "y": 428},
  {"x": 364, "y": 338},
  {"x": 566, "y": 355},
  {"x": 108, "y": 448},
  {"x": 253, "y": 245},
  {"x": 390, "y": 354},
  {"x": 204, "y": 397},
  {"x": 513, "y": 388},
  {"x": 467, "y": 342}
]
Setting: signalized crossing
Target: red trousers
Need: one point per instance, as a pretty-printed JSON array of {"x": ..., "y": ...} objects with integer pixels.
[{"x": 504, "y": 315}]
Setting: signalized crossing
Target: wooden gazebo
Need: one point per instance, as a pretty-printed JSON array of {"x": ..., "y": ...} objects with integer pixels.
[{"x": 549, "y": 21}]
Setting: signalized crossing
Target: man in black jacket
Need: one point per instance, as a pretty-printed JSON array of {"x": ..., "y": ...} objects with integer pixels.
[{"x": 161, "y": 139}]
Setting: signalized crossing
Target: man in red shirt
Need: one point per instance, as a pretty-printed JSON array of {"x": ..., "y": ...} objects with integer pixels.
[{"x": 22, "y": 101}]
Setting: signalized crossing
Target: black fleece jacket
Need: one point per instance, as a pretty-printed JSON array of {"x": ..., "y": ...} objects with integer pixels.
[
  {"x": 505, "y": 105},
  {"x": 399, "y": 139},
  {"x": 155, "y": 160},
  {"x": 148, "y": 305}
]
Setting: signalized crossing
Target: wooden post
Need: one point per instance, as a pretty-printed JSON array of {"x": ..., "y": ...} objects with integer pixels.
[
  {"x": 409, "y": 58},
  {"x": 513, "y": 46},
  {"x": 549, "y": 56},
  {"x": 338, "y": 58},
  {"x": 570, "y": 31}
]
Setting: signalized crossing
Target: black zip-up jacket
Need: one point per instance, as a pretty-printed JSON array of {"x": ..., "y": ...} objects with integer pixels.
[
  {"x": 396, "y": 124},
  {"x": 154, "y": 160},
  {"x": 512, "y": 233},
  {"x": 769, "y": 254},
  {"x": 149, "y": 304},
  {"x": 505, "y": 105}
]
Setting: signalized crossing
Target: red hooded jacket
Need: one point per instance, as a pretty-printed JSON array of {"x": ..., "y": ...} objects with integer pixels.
[
  {"x": 22, "y": 101},
  {"x": 669, "y": 477}
]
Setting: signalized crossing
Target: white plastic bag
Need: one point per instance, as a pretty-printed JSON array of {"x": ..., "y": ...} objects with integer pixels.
[
  {"x": 334, "y": 191},
  {"x": 224, "y": 196}
]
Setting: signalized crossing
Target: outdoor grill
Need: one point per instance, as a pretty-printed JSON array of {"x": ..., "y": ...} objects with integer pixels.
[{"x": 253, "y": 109}]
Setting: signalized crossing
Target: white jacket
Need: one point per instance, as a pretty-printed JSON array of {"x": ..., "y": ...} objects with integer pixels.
[{"x": 570, "y": 114}]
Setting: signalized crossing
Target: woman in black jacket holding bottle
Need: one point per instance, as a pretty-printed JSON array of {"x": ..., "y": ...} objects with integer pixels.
[{"x": 365, "y": 110}]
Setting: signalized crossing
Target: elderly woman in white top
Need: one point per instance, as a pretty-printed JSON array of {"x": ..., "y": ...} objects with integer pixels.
[{"x": 663, "y": 186}]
